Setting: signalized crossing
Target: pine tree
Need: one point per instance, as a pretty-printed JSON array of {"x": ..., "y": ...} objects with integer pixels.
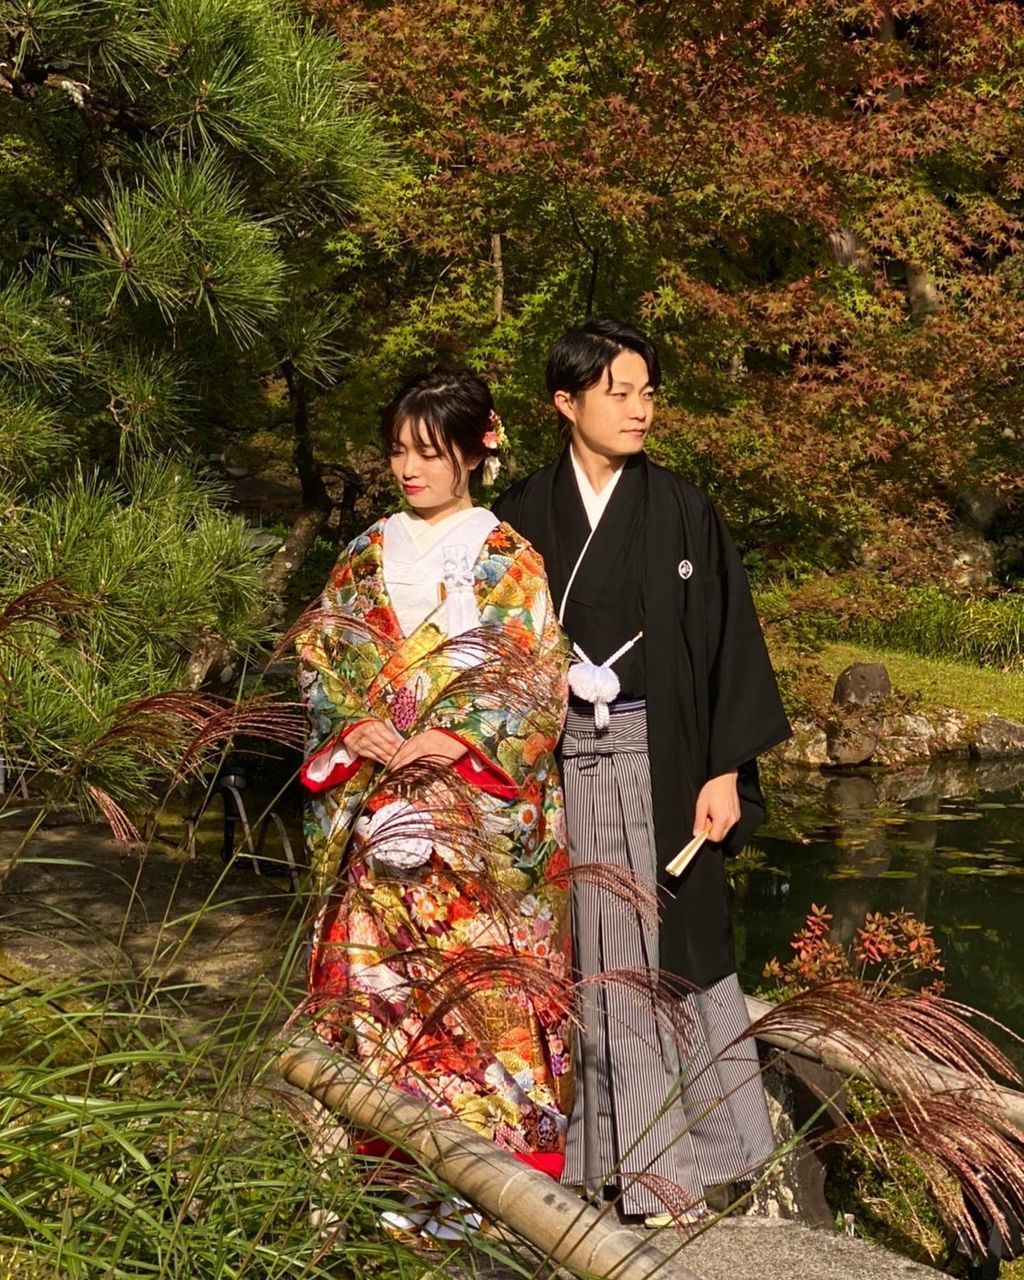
[{"x": 170, "y": 174}]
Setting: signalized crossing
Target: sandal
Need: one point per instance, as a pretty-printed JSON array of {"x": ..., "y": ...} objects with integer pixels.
[
  {"x": 688, "y": 1218},
  {"x": 424, "y": 1223}
]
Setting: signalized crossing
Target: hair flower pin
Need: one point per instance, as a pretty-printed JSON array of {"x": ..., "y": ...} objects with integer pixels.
[{"x": 494, "y": 438}]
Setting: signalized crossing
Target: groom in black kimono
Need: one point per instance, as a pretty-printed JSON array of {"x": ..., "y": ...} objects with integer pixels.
[{"x": 674, "y": 700}]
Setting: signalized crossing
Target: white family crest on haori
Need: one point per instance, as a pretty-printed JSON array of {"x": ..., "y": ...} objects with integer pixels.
[{"x": 685, "y": 569}]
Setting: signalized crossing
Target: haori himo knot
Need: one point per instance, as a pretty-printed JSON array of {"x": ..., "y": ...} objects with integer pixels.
[{"x": 596, "y": 684}]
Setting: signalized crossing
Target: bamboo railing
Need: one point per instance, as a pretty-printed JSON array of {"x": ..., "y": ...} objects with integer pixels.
[
  {"x": 832, "y": 1051},
  {"x": 581, "y": 1239}
]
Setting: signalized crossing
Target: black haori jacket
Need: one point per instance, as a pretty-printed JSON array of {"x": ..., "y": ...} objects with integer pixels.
[{"x": 712, "y": 701}]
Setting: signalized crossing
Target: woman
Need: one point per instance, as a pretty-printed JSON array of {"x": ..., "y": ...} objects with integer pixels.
[{"x": 434, "y": 671}]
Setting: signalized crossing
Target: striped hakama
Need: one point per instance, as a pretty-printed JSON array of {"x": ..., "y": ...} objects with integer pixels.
[{"x": 671, "y": 1098}]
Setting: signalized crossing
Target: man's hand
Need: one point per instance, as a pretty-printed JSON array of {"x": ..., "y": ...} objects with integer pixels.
[
  {"x": 718, "y": 806},
  {"x": 430, "y": 744},
  {"x": 373, "y": 739}
]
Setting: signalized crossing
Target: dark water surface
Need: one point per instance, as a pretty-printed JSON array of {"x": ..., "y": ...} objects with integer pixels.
[{"x": 944, "y": 840}]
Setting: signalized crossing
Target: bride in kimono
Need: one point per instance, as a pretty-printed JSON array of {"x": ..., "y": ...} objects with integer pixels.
[{"x": 435, "y": 674}]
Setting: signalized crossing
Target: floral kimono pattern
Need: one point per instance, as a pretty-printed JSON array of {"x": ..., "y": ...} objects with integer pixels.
[{"x": 447, "y": 976}]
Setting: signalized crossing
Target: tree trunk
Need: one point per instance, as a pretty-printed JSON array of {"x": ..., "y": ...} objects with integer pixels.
[
  {"x": 289, "y": 556},
  {"x": 847, "y": 250},
  {"x": 499, "y": 277},
  {"x": 314, "y": 491},
  {"x": 595, "y": 259},
  {"x": 922, "y": 292},
  {"x": 211, "y": 655}
]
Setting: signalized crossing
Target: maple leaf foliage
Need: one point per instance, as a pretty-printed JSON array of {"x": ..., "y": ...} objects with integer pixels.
[{"x": 814, "y": 206}]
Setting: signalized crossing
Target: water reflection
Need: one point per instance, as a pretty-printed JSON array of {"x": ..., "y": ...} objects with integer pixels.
[{"x": 943, "y": 840}]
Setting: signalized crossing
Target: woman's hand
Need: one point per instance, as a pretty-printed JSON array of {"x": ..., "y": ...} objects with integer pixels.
[
  {"x": 375, "y": 740},
  {"x": 718, "y": 807},
  {"x": 430, "y": 744}
]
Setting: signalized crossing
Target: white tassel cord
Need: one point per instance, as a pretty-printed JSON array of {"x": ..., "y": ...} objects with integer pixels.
[
  {"x": 592, "y": 682},
  {"x": 461, "y": 614},
  {"x": 598, "y": 683}
]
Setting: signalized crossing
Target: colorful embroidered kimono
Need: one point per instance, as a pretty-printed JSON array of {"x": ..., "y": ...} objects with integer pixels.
[{"x": 441, "y": 950}]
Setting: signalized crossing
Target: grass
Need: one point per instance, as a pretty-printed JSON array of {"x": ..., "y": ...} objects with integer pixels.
[
  {"x": 940, "y": 681},
  {"x": 128, "y": 1152},
  {"x": 887, "y": 1193},
  {"x": 987, "y": 631}
]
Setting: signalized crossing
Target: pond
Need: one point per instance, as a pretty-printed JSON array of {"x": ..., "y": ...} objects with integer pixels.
[{"x": 944, "y": 840}]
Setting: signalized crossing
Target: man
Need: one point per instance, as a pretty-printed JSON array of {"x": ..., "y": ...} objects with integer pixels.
[{"x": 675, "y": 698}]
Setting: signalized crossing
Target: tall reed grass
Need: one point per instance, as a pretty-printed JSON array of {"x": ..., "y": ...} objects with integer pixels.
[
  {"x": 143, "y": 1134},
  {"x": 139, "y": 1141}
]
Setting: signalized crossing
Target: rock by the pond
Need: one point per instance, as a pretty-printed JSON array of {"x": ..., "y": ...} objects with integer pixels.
[
  {"x": 895, "y": 739},
  {"x": 808, "y": 747},
  {"x": 849, "y": 745},
  {"x": 996, "y": 738},
  {"x": 971, "y": 559},
  {"x": 949, "y": 731},
  {"x": 861, "y": 684},
  {"x": 795, "y": 1188},
  {"x": 903, "y": 739}
]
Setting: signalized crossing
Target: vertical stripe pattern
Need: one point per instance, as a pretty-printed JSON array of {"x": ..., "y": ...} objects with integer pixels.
[{"x": 680, "y": 1102}]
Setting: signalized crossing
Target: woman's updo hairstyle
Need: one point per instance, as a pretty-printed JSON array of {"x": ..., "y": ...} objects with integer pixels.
[{"x": 449, "y": 408}]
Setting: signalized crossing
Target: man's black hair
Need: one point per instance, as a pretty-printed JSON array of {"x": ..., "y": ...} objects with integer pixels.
[{"x": 583, "y": 353}]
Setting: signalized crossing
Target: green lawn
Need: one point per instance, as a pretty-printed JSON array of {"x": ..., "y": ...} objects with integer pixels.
[{"x": 976, "y": 690}]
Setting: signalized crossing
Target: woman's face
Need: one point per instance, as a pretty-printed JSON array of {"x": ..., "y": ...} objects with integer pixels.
[{"x": 431, "y": 483}]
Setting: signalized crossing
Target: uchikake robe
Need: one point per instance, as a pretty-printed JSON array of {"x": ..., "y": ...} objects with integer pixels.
[
  {"x": 712, "y": 700},
  {"x": 448, "y": 977}
]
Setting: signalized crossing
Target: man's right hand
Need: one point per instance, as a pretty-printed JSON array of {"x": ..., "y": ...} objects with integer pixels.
[{"x": 375, "y": 740}]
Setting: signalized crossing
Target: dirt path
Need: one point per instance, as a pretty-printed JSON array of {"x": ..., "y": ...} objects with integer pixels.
[{"x": 205, "y": 935}]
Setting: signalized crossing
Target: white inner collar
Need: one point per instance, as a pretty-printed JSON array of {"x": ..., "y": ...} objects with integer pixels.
[
  {"x": 424, "y": 534},
  {"x": 594, "y": 502}
]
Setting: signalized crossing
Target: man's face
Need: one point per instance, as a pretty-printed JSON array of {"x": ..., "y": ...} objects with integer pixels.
[{"x": 612, "y": 418}]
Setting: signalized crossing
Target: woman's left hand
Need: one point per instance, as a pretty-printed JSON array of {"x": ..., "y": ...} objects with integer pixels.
[
  {"x": 430, "y": 744},
  {"x": 718, "y": 807}
]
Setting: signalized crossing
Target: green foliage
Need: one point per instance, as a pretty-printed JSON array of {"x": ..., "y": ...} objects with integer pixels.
[
  {"x": 174, "y": 170},
  {"x": 120, "y": 547},
  {"x": 981, "y": 629},
  {"x": 169, "y": 177},
  {"x": 773, "y": 194},
  {"x": 180, "y": 239},
  {"x": 866, "y": 608},
  {"x": 142, "y": 569}
]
